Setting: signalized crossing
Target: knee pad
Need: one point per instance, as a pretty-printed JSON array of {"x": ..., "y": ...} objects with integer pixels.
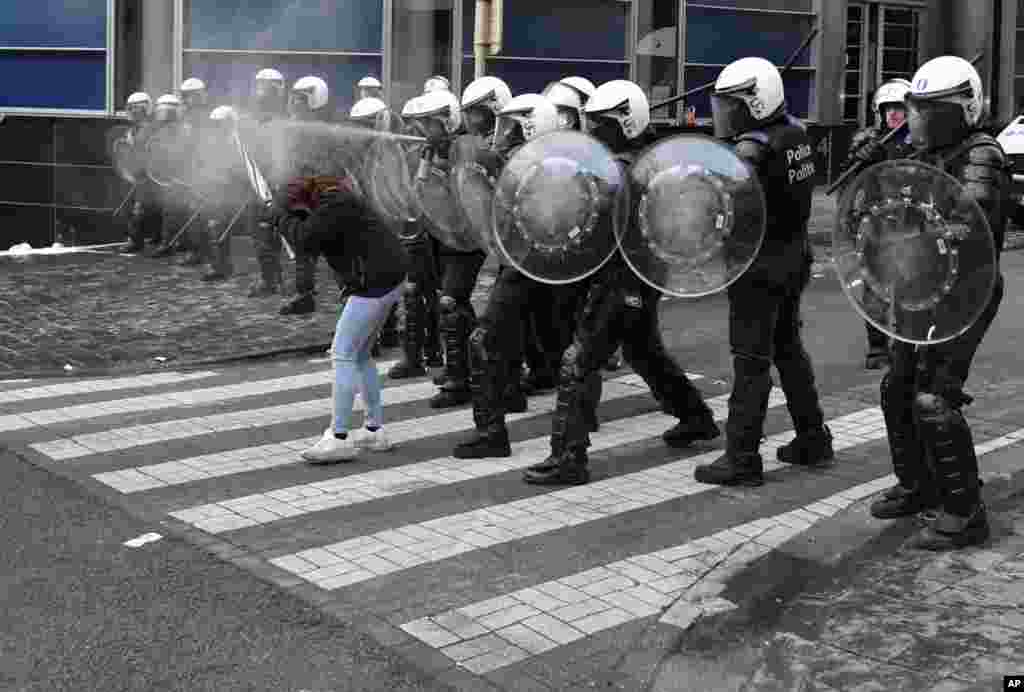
[
  {"x": 481, "y": 343},
  {"x": 447, "y": 304},
  {"x": 935, "y": 409},
  {"x": 571, "y": 368}
]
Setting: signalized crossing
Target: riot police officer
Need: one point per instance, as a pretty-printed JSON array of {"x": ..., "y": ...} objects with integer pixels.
[
  {"x": 195, "y": 122},
  {"x": 269, "y": 104},
  {"x": 496, "y": 343},
  {"x": 145, "y": 213},
  {"x": 176, "y": 199},
  {"x": 223, "y": 180},
  {"x": 436, "y": 83},
  {"x": 866, "y": 148},
  {"x": 369, "y": 87},
  {"x": 749, "y": 111},
  {"x": 309, "y": 101},
  {"x": 619, "y": 309},
  {"x": 439, "y": 119},
  {"x": 922, "y": 394}
]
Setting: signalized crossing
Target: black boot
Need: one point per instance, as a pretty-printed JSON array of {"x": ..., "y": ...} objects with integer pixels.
[
  {"x": 484, "y": 444},
  {"x": 899, "y": 501},
  {"x": 455, "y": 327},
  {"x": 732, "y": 469},
  {"x": 689, "y": 430},
  {"x": 946, "y": 531},
  {"x": 876, "y": 360},
  {"x": 411, "y": 364},
  {"x": 431, "y": 332},
  {"x": 302, "y": 304},
  {"x": 808, "y": 449},
  {"x": 567, "y": 468}
]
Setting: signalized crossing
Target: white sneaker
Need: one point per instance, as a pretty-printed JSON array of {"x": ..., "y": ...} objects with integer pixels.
[
  {"x": 376, "y": 441},
  {"x": 330, "y": 449}
]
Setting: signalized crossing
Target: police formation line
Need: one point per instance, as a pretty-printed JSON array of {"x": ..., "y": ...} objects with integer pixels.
[{"x": 592, "y": 219}]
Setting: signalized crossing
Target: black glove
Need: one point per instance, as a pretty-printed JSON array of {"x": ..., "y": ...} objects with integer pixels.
[{"x": 869, "y": 153}]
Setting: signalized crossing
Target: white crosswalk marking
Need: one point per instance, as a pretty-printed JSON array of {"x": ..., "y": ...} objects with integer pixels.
[
  {"x": 488, "y": 635},
  {"x": 272, "y": 455},
  {"x": 157, "y": 402},
  {"x": 422, "y": 553},
  {"x": 438, "y": 539},
  {"x": 263, "y": 508}
]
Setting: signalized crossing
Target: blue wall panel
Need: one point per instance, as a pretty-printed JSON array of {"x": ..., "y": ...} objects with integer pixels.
[
  {"x": 531, "y": 76},
  {"x": 594, "y": 29},
  {"x": 350, "y": 25},
  {"x": 721, "y": 36},
  {"x": 53, "y": 23},
  {"x": 229, "y": 77},
  {"x": 54, "y": 80}
]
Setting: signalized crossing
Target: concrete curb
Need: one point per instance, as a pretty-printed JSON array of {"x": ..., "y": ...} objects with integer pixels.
[{"x": 699, "y": 627}]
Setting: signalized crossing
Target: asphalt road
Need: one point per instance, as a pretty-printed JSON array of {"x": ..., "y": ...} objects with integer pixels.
[{"x": 83, "y": 612}]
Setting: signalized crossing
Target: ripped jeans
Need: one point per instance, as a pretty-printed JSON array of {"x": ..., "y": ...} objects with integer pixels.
[{"x": 354, "y": 367}]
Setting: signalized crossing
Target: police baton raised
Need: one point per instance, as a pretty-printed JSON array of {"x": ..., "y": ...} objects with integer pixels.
[
  {"x": 704, "y": 87},
  {"x": 859, "y": 165}
]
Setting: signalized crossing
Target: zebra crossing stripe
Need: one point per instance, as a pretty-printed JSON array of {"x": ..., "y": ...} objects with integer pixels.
[
  {"x": 366, "y": 557},
  {"x": 170, "y": 473},
  {"x": 491, "y": 634},
  {"x": 165, "y": 400},
  {"x": 98, "y": 385},
  {"x": 264, "y": 508}
]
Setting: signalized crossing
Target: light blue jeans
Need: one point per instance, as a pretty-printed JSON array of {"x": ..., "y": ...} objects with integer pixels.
[{"x": 354, "y": 368}]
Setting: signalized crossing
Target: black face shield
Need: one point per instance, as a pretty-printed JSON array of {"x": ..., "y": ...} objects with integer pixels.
[{"x": 935, "y": 124}]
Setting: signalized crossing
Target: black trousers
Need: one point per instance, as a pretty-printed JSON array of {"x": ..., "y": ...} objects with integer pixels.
[
  {"x": 619, "y": 310},
  {"x": 764, "y": 329},
  {"x": 922, "y": 396},
  {"x": 459, "y": 272}
]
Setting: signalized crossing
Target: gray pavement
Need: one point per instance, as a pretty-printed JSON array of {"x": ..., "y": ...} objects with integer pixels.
[{"x": 458, "y": 571}]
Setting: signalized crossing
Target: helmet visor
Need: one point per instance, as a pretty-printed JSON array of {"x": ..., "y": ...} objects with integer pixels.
[
  {"x": 731, "y": 116},
  {"x": 509, "y": 132},
  {"x": 298, "y": 106},
  {"x": 166, "y": 113},
  {"x": 479, "y": 119},
  {"x": 935, "y": 124},
  {"x": 137, "y": 111}
]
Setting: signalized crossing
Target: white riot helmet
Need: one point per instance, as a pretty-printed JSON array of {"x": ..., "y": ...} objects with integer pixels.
[
  {"x": 268, "y": 90},
  {"x": 583, "y": 86},
  {"x": 622, "y": 103},
  {"x": 569, "y": 103},
  {"x": 369, "y": 87},
  {"x": 945, "y": 102},
  {"x": 193, "y": 92},
  {"x": 139, "y": 106},
  {"x": 224, "y": 114},
  {"x": 440, "y": 107},
  {"x": 436, "y": 83},
  {"x": 523, "y": 118},
  {"x": 371, "y": 112},
  {"x": 309, "y": 95},
  {"x": 482, "y": 101},
  {"x": 748, "y": 94},
  {"x": 168, "y": 108},
  {"x": 892, "y": 92}
]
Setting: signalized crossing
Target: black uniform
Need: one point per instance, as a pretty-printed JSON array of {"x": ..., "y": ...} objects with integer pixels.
[
  {"x": 225, "y": 183},
  {"x": 266, "y": 237},
  {"x": 922, "y": 394},
  {"x": 619, "y": 309},
  {"x": 865, "y": 150},
  {"x": 420, "y": 339},
  {"x": 146, "y": 215},
  {"x": 459, "y": 272},
  {"x": 195, "y": 240},
  {"x": 764, "y": 313}
]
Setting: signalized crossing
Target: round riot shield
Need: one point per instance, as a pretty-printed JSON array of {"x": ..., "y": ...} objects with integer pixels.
[
  {"x": 441, "y": 211},
  {"x": 554, "y": 210},
  {"x": 695, "y": 216},
  {"x": 166, "y": 158},
  {"x": 474, "y": 191},
  {"x": 125, "y": 158},
  {"x": 390, "y": 183},
  {"x": 913, "y": 252}
]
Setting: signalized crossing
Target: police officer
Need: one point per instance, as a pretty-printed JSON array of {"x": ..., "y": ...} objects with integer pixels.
[
  {"x": 436, "y": 83},
  {"x": 145, "y": 214},
  {"x": 496, "y": 343},
  {"x": 619, "y": 309},
  {"x": 866, "y": 148},
  {"x": 268, "y": 105},
  {"x": 369, "y": 87},
  {"x": 195, "y": 122},
  {"x": 922, "y": 394},
  {"x": 309, "y": 101},
  {"x": 749, "y": 111},
  {"x": 223, "y": 179},
  {"x": 175, "y": 198},
  {"x": 420, "y": 338},
  {"x": 439, "y": 119}
]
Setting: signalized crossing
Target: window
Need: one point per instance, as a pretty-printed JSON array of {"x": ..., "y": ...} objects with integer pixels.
[
  {"x": 545, "y": 41},
  {"x": 852, "y": 75},
  {"x": 45, "y": 43},
  {"x": 227, "y": 41},
  {"x": 1018, "y": 72},
  {"x": 422, "y": 33},
  {"x": 657, "y": 66},
  {"x": 721, "y": 31}
]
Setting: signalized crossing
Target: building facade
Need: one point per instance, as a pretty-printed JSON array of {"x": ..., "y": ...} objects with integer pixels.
[{"x": 71, "y": 65}]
